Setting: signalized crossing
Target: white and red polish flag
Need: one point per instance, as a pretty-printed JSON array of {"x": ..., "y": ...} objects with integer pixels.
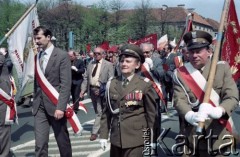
[
  {"x": 21, "y": 49},
  {"x": 82, "y": 107}
]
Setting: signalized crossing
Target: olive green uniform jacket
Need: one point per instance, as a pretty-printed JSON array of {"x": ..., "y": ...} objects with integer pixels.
[
  {"x": 127, "y": 127},
  {"x": 227, "y": 90}
]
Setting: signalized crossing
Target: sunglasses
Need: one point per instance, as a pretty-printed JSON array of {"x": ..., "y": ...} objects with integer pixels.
[
  {"x": 147, "y": 52},
  {"x": 97, "y": 53}
]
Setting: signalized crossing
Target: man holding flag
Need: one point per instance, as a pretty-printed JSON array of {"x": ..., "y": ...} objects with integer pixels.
[{"x": 189, "y": 89}]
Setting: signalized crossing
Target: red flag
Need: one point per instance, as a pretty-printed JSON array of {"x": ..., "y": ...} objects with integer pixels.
[
  {"x": 88, "y": 47},
  {"x": 113, "y": 49},
  {"x": 105, "y": 45},
  {"x": 152, "y": 38},
  {"x": 231, "y": 43}
]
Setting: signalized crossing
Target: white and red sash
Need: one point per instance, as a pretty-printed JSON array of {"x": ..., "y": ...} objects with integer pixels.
[
  {"x": 155, "y": 82},
  {"x": 11, "y": 112},
  {"x": 53, "y": 95},
  {"x": 178, "y": 61},
  {"x": 197, "y": 83}
]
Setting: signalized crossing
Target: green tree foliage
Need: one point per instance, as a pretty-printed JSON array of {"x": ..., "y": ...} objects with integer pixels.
[
  {"x": 61, "y": 18},
  {"x": 10, "y": 12},
  {"x": 140, "y": 20},
  {"x": 103, "y": 21}
]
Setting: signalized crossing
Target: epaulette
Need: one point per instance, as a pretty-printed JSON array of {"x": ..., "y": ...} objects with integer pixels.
[
  {"x": 221, "y": 62},
  {"x": 146, "y": 79}
]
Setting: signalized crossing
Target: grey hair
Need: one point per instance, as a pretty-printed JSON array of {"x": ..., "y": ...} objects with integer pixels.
[{"x": 147, "y": 44}]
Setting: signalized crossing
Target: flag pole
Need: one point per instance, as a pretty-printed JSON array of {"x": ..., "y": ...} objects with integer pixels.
[
  {"x": 214, "y": 61},
  {"x": 185, "y": 30},
  {"x": 16, "y": 24}
]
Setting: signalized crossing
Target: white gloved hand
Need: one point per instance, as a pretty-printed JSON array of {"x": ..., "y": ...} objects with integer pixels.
[
  {"x": 194, "y": 117},
  {"x": 103, "y": 143},
  {"x": 74, "y": 68},
  {"x": 211, "y": 111},
  {"x": 3, "y": 51},
  {"x": 149, "y": 62},
  {"x": 153, "y": 149}
]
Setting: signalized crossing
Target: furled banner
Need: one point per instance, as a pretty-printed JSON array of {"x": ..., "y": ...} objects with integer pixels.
[
  {"x": 231, "y": 42},
  {"x": 152, "y": 38},
  {"x": 188, "y": 28},
  {"x": 21, "y": 49}
]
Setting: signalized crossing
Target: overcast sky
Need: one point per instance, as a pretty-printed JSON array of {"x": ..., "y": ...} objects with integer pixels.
[{"x": 206, "y": 8}]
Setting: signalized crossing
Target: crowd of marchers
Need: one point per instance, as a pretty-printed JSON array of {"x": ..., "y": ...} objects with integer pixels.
[{"x": 130, "y": 86}]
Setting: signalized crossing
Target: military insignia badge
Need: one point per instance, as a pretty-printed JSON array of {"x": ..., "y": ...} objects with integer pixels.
[
  {"x": 130, "y": 103},
  {"x": 138, "y": 95},
  {"x": 133, "y": 98}
]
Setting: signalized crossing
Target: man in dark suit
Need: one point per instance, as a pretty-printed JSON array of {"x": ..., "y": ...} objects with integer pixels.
[
  {"x": 5, "y": 123},
  {"x": 97, "y": 74},
  {"x": 78, "y": 70},
  {"x": 56, "y": 67},
  {"x": 169, "y": 66}
]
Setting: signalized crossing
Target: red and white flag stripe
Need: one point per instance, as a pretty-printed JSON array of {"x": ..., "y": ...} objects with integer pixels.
[
  {"x": 82, "y": 107},
  {"x": 53, "y": 95}
]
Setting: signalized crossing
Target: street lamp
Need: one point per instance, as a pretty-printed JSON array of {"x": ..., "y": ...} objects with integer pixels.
[
  {"x": 163, "y": 17},
  {"x": 164, "y": 7}
]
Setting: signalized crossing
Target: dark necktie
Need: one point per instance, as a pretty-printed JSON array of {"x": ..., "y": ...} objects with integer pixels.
[
  {"x": 95, "y": 69},
  {"x": 125, "y": 83}
]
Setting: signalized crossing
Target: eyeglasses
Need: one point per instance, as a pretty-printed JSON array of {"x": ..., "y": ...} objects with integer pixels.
[
  {"x": 147, "y": 52},
  {"x": 97, "y": 53}
]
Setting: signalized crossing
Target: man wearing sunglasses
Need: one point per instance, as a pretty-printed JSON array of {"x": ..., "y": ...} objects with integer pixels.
[{"x": 97, "y": 74}]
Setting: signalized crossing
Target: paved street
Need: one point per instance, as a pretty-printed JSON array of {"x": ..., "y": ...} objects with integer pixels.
[{"x": 23, "y": 135}]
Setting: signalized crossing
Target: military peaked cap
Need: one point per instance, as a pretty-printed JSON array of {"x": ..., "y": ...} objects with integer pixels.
[
  {"x": 197, "y": 39},
  {"x": 134, "y": 51}
]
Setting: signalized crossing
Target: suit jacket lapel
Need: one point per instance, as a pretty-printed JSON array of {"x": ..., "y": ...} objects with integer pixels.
[
  {"x": 51, "y": 61},
  {"x": 90, "y": 67},
  {"x": 102, "y": 66},
  {"x": 133, "y": 84}
]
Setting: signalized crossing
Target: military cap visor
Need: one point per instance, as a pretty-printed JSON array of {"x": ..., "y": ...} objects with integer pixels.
[
  {"x": 133, "y": 51},
  {"x": 197, "y": 39}
]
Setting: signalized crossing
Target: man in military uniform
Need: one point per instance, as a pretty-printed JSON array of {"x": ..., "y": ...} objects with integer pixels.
[
  {"x": 131, "y": 109},
  {"x": 189, "y": 86}
]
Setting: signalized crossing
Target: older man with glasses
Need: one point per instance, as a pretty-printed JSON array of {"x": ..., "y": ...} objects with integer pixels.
[
  {"x": 97, "y": 74},
  {"x": 153, "y": 63}
]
